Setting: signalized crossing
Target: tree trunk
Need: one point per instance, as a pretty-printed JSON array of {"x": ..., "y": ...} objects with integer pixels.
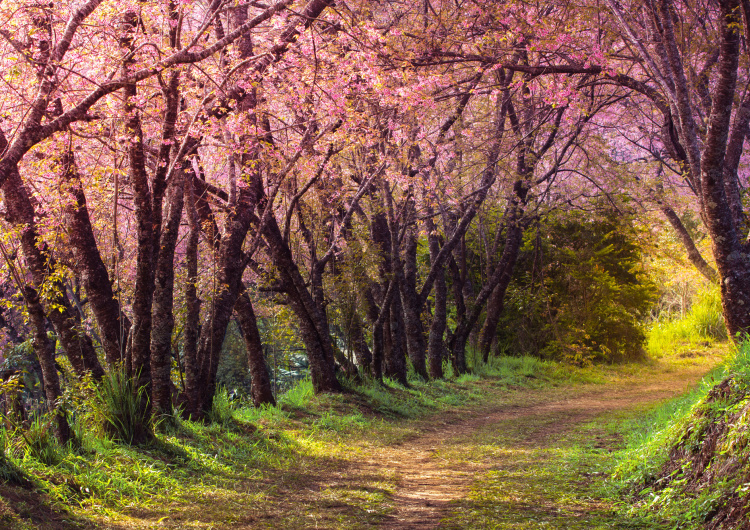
[
  {"x": 359, "y": 345},
  {"x": 310, "y": 317},
  {"x": 412, "y": 306},
  {"x": 113, "y": 325},
  {"x": 440, "y": 315},
  {"x": 163, "y": 304},
  {"x": 500, "y": 276},
  {"x": 192, "y": 306},
  {"x": 230, "y": 267},
  {"x": 143, "y": 296},
  {"x": 693, "y": 253},
  {"x": 395, "y": 356},
  {"x": 262, "y": 390},
  {"x": 65, "y": 320},
  {"x": 45, "y": 351}
]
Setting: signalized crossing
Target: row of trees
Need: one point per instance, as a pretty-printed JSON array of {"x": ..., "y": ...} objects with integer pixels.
[{"x": 167, "y": 166}]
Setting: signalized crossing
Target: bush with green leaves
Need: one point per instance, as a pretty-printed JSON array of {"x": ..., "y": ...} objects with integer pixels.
[{"x": 580, "y": 292}]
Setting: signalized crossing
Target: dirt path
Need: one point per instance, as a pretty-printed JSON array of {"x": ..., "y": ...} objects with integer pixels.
[{"x": 434, "y": 472}]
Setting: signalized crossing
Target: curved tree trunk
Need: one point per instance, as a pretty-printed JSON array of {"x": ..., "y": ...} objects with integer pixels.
[
  {"x": 230, "y": 267},
  {"x": 500, "y": 276},
  {"x": 113, "y": 325},
  {"x": 310, "y": 316},
  {"x": 489, "y": 328},
  {"x": 693, "y": 253}
]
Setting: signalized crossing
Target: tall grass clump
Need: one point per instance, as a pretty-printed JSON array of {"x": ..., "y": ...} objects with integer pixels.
[
  {"x": 222, "y": 408},
  {"x": 10, "y": 472},
  {"x": 704, "y": 322},
  {"x": 41, "y": 443},
  {"x": 298, "y": 397},
  {"x": 120, "y": 408}
]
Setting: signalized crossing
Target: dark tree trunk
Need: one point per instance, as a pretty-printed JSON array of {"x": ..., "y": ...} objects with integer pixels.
[
  {"x": 230, "y": 267},
  {"x": 143, "y": 295},
  {"x": 162, "y": 311},
  {"x": 192, "y": 305},
  {"x": 440, "y": 315},
  {"x": 730, "y": 254},
  {"x": 412, "y": 306},
  {"x": 500, "y": 276},
  {"x": 492, "y": 319},
  {"x": 310, "y": 316},
  {"x": 166, "y": 233},
  {"x": 113, "y": 325},
  {"x": 65, "y": 320},
  {"x": 359, "y": 344},
  {"x": 262, "y": 390},
  {"x": 395, "y": 356},
  {"x": 45, "y": 352}
]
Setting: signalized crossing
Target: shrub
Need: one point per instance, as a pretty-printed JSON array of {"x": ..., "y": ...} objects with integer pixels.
[
  {"x": 122, "y": 408},
  {"x": 579, "y": 293}
]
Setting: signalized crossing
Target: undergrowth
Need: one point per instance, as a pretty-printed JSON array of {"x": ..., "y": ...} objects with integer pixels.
[
  {"x": 268, "y": 459},
  {"x": 684, "y": 462},
  {"x": 103, "y": 476},
  {"x": 700, "y": 326}
]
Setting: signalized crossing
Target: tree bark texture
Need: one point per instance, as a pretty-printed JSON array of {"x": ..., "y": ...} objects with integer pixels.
[
  {"x": 261, "y": 389},
  {"x": 436, "y": 347},
  {"x": 412, "y": 305},
  {"x": 163, "y": 304},
  {"x": 114, "y": 326},
  {"x": 45, "y": 352},
  {"x": 67, "y": 323}
]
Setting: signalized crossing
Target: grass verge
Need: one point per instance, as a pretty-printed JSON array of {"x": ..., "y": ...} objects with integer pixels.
[{"x": 287, "y": 466}]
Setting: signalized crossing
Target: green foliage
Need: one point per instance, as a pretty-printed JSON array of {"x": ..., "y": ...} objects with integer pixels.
[
  {"x": 703, "y": 322},
  {"x": 687, "y": 458},
  {"x": 222, "y": 407},
  {"x": 580, "y": 293},
  {"x": 41, "y": 443},
  {"x": 299, "y": 395},
  {"x": 120, "y": 408},
  {"x": 9, "y": 470}
]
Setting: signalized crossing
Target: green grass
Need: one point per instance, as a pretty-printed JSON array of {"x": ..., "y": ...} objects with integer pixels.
[
  {"x": 263, "y": 450},
  {"x": 702, "y": 325},
  {"x": 271, "y": 466},
  {"x": 650, "y": 439},
  {"x": 546, "y": 476}
]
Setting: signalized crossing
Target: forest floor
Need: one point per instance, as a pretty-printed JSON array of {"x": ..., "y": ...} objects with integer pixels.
[
  {"x": 524, "y": 459},
  {"x": 489, "y": 452}
]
